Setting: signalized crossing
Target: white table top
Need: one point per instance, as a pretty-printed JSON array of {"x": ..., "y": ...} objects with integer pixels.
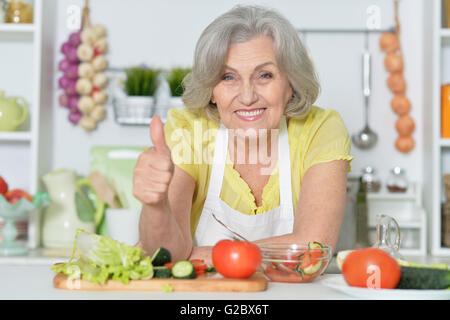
[
  {"x": 35, "y": 282},
  {"x": 30, "y": 277}
]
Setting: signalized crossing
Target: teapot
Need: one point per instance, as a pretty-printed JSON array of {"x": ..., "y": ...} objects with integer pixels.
[{"x": 13, "y": 112}]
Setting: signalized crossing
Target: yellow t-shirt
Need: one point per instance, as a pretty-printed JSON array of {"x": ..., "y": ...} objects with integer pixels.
[{"x": 321, "y": 136}]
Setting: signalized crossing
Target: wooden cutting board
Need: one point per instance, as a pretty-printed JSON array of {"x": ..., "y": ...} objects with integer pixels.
[{"x": 212, "y": 282}]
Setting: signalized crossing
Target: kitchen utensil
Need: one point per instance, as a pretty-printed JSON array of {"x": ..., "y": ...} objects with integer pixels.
[
  {"x": 388, "y": 236},
  {"x": 13, "y": 112},
  {"x": 123, "y": 225},
  {"x": 210, "y": 282},
  {"x": 366, "y": 138},
  {"x": 226, "y": 227},
  {"x": 103, "y": 190},
  {"x": 61, "y": 218}
]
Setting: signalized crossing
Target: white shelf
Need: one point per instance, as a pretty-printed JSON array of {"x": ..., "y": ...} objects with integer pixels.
[
  {"x": 444, "y": 142},
  {"x": 15, "y": 136},
  {"x": 17, "y": 28},
  {"x": 445, "y": 32}
]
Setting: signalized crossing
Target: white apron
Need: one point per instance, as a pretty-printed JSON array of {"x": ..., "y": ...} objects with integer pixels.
[{"x": 275, "y": 222}]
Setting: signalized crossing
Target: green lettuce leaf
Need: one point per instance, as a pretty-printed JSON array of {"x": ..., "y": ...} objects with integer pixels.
[{"x": 102, "y": 258}]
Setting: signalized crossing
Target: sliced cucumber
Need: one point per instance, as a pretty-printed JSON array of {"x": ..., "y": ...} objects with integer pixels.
[
  {"x": 315, "y": 245},
  {"x": 162, "y": 272},
  {"x": 312, "y": 268},
  {"x": 210, "y": 269},
  {"x": 161, "y": 256},
  {"x": 183, "y": 270}
]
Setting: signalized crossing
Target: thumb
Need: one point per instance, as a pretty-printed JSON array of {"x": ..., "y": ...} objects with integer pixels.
[{"x": 157, "y": 135}]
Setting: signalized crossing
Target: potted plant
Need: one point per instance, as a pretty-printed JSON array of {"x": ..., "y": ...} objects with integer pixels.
[
  {"x": 174, "y": 79},
  {"x": 140, "y": 85}
]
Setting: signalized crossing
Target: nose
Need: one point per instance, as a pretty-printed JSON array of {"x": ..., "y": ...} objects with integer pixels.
[{"x": 247, "y": 94}]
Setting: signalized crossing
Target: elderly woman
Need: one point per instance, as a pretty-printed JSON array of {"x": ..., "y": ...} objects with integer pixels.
[{"x": 249, "y": 148}]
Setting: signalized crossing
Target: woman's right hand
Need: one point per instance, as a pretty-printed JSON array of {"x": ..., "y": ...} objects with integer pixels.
[{"x": 154, "y": 169}]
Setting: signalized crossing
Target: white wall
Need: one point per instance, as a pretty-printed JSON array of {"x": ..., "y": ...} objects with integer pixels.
[{"x": 164, "y": 33}]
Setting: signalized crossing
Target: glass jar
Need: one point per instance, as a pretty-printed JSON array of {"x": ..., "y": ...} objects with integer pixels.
[
  {"x": 19, "y": 11},
  {"x": 397, "y": 181},
  {"x": 370, "y": 180}
]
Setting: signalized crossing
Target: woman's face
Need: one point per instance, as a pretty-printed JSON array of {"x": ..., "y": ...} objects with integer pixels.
[{"x": 252, "y": 92}]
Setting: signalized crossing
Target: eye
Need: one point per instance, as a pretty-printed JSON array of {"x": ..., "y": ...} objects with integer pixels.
[
  {"x": 227, "y": 77},
  {"x": 266, "y": 75}
]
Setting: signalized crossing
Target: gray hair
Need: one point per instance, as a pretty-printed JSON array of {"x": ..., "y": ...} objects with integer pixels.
[{"x": 241, "y": 24}]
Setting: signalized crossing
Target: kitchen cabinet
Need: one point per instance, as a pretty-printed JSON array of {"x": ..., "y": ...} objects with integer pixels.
[{"x": 437, "y": 51}]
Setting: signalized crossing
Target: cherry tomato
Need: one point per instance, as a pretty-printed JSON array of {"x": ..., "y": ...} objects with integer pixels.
[
  {"x": 16, "y": 194},
  {"x": 3, "y": 186},
  {"x": 169, "y": 265},
  {"x": 236, "y": 259},
  {"x": 371, "y": 268}
]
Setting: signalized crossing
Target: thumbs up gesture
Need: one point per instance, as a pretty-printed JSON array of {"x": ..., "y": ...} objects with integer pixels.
[{"x": 154, "y": 169}]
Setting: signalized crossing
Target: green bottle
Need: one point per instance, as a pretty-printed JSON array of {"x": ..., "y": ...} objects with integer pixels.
[{"x": 362, "y": 229}]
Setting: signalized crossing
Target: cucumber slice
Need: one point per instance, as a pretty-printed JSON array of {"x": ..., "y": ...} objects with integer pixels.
[
  {"x": 161, "y": 256},
  {"x": 309, "y": 269},
  {"x": 183, "y": 270},
  {"x": 315, "y": 245},
  {"x": 312, "y": 268},
  {"x": 162, "y": 272}
]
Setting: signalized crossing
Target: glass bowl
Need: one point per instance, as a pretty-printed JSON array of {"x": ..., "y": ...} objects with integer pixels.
[{"x": 294, "y": 263}]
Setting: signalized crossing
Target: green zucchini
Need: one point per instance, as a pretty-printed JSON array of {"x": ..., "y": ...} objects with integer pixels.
[
  {"x": 162, "y": 272},
  {"x": 184, "y": 270},
  {"x": 424, "y": 278},
  {"x": 161, "y": 257}
]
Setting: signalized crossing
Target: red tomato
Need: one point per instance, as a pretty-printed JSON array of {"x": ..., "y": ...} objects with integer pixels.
[
  {"x": 169, "y": 265},
  {"x": 236, "y": 259},
  {"x": 3, "y": 186},
  {"x": 199, "y": 265},
  {"x": 16, "y": 194},
  {"x": 371, "y": 268}
]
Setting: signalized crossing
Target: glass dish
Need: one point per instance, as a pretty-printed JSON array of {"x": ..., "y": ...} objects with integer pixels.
[{"x": 294, "y": 263}]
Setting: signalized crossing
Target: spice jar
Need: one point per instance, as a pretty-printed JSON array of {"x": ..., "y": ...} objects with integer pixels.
[
  {"x": 19, "y": 11},
  {"x": 370, "y": 180},
  {"x": 397, "y": 181}
]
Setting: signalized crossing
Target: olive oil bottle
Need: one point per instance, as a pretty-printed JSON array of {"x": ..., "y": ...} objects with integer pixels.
[{"x": 362, "y": 229}]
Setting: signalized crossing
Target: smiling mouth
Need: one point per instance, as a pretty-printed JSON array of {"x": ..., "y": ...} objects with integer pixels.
[{"x": 250, "y": 115}]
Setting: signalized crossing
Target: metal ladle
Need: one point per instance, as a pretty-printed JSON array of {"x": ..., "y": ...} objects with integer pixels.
[{"x": 366, "y": 138}]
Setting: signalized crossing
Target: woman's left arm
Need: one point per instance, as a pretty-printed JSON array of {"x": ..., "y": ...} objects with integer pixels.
[{"x": 321, "y": 205}]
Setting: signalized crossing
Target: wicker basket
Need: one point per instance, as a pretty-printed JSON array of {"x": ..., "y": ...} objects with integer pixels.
[{"x": 445, "y": 224}]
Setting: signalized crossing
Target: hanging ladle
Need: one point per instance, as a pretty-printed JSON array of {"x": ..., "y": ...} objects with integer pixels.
[{"x": 366, "y": 138}]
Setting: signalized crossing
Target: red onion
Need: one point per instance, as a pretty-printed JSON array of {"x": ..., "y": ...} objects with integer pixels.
[
  {"x": 72, "y": 55},
  {"x": 63, "y": 100},
  {"x": 64, "y": 65},
  {"x": 74, "y": 117},
  {"x": 71, "y": 87},
  {"x": 64, "y": 82},
  {"x": 65, "y": 47},
  {"x": 73, "y": 104},
  {"x": 72, "y": 71},
  {"x": 75, "y": 39}
]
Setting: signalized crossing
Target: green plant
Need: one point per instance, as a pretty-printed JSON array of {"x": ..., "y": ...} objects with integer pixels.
[
  {"x": 141, "y": 81},
  {"x": 175, "y": 78}
]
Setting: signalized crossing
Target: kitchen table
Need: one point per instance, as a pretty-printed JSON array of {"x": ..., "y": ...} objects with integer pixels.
[
  {"x": 36, "y": 282},
  {"x": 30, "y": 277}
]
